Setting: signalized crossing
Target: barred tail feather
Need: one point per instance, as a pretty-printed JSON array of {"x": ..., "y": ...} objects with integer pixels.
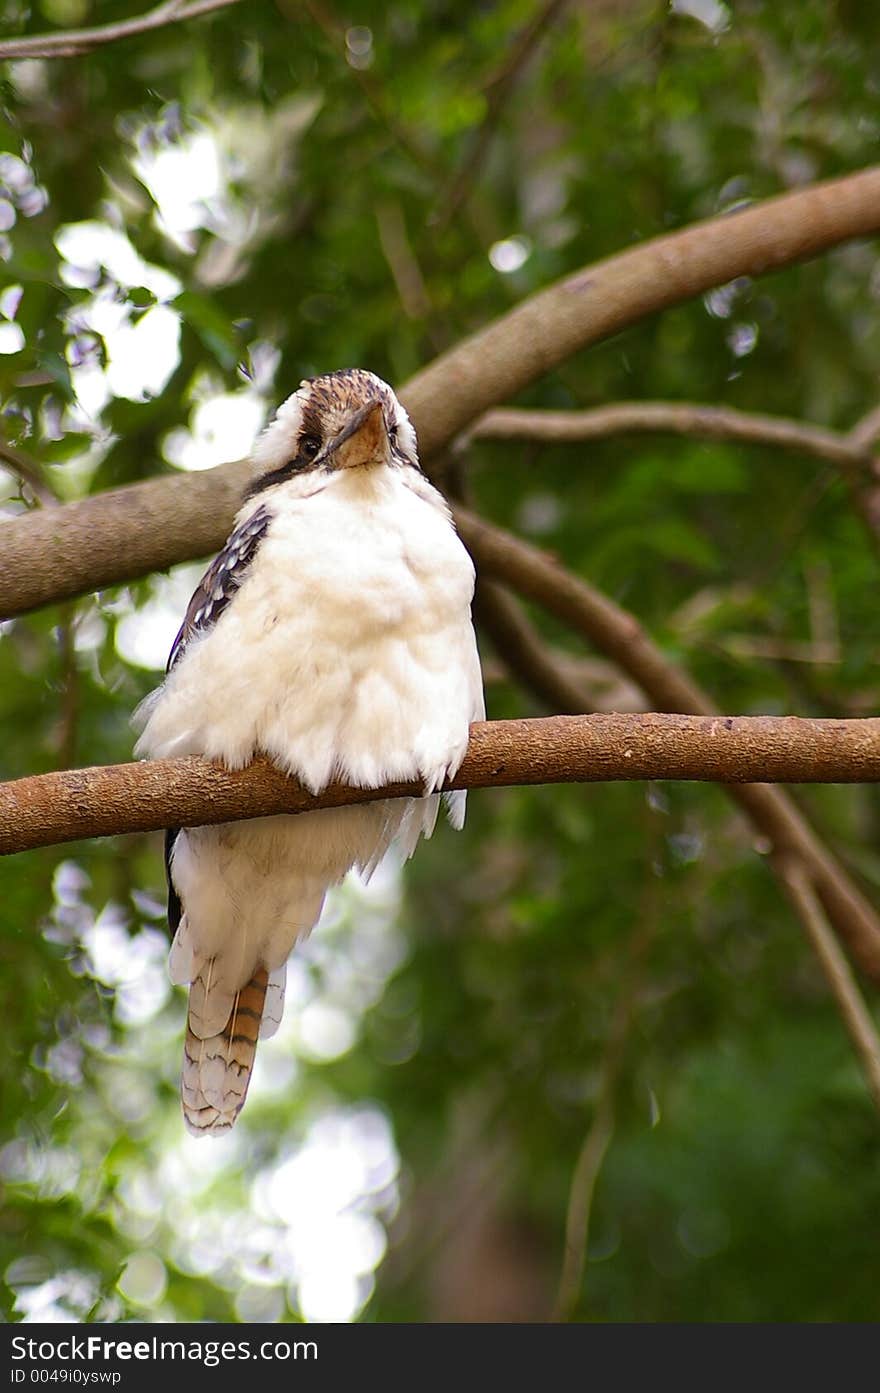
[
  {"x": 273, "y": 1009},
  {"x": 217, "y": 1067}
]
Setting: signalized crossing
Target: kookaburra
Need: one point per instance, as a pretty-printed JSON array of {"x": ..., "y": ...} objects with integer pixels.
[{"x": 332, "y": 633}]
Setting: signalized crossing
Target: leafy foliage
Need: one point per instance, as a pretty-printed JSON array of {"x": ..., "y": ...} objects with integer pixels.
[{"x": 267, "y": 195}]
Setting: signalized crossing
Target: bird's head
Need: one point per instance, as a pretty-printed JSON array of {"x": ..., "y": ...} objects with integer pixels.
[{"x": 343, "y": 420}]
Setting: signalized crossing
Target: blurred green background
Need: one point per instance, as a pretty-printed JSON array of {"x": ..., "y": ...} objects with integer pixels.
[{"x": 190, "y": 222}]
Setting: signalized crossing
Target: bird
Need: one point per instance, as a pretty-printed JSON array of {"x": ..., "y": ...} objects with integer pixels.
[{"x": 332, "y": 634}]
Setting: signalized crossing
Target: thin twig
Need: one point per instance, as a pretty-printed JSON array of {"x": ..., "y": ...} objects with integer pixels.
[
  {"x": 404, "y": 268},
  {"x": 777, "y": 650},
  {"x": 407, "y": 273},
  {"x": 29, "y": 472},
  {"x": 601, "y": 1131},
  {"x": 837, "y": 972},
  {"x": 586, "y": 1173},
  {"x": 69, "y": 43},
  {"x": 679, "y": 418},
  {"x": 499, "y": 89},
  {"x": 866, "y": 431}
]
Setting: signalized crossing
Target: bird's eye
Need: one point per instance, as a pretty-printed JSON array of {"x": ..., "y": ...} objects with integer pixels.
[
  {"x": 309, "y": 446},
  {"x": 392, "y": 434}
]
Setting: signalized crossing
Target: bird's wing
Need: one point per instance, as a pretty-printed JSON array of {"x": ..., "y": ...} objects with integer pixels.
[
  {"x": 213, "y": 593},
  {"x": 221, "y": 581}
]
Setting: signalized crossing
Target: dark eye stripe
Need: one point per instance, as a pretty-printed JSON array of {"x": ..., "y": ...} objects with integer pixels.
[{"x": 308, "y": 446}]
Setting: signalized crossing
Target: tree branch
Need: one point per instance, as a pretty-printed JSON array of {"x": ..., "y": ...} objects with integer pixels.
[
  {"x": 679, "y": 418},
  {"x": 613, "y": 631},
  {"x": 850, "y": 451},
  {"x": 524, "y": 653},
  {"x": 44, "y": 809},
  {"x": 836, "y": 970},
  {"x": 130, "y": 532},
  {"x": 28, "y": 471},
  {"x": 866, "y": 431},
  {"x": 69, "y": 43},
  {"x": 116, "y": 536}
]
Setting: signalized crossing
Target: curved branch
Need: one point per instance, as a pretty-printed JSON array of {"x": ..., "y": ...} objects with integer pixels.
[
  {"x": 68, "y": 43},
  {"x": 28, "y": 471},
  {"x": 850, "y": 451},
  {"x": 526, "y": 656},
  {"x": 678, "y": 418},
  {"x": 540, "y": 577},
  {"x": 64, "y": 806},
  {"x": 856, "y": 1017},
  {"x": 128, "y": 533}
]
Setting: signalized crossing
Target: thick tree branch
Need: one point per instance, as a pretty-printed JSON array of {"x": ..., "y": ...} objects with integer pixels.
[
  {"x": 47, "y": 808},
  {"x": 68, "y": 43},
  {"x": 116, "y": 536},
  {"x": 613, "y": 631},
  {"x": 128, "y": 533}
]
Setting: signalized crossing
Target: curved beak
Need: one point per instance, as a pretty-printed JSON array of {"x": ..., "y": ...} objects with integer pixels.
[{"x": 363, "y": 439}]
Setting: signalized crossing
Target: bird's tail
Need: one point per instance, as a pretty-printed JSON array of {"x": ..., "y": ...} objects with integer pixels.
[{"x": 217, "y": 1067}]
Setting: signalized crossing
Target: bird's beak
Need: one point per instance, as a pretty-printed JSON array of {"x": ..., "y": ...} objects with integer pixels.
[{"x": 363, "y": 439}]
